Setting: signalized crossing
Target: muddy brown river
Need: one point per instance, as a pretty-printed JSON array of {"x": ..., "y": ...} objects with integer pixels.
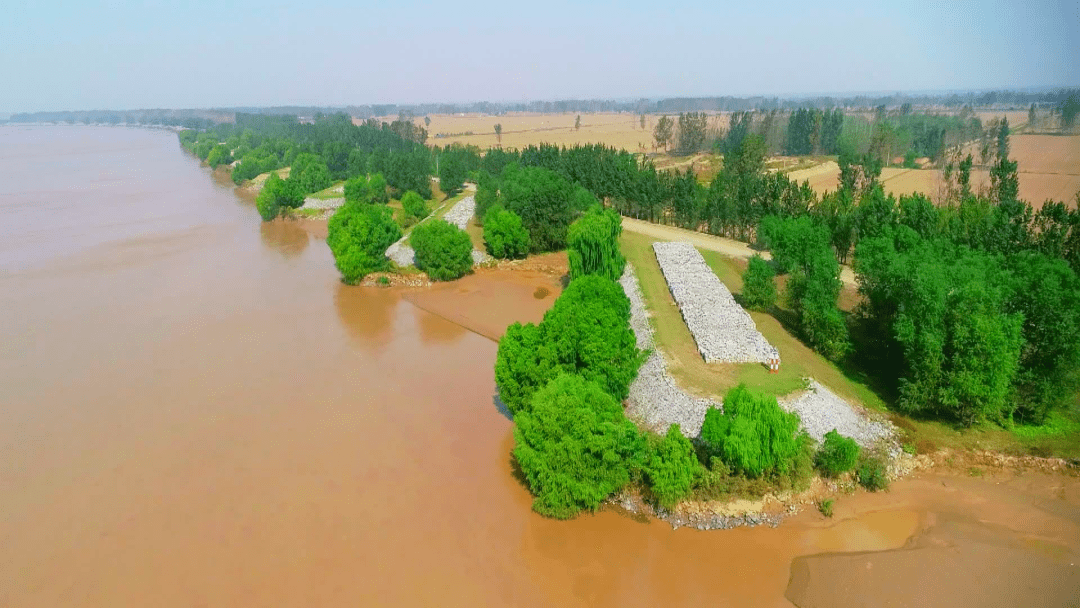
[{"x": 195, "y": 412}]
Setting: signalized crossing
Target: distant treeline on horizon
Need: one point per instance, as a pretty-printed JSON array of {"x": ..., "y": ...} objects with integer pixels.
[{"x": 203, "y": 118}]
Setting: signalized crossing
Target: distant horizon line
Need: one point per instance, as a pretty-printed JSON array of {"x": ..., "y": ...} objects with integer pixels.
[{"x": 624, "y": 99}]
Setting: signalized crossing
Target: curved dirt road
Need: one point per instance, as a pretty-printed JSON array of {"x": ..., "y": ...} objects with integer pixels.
[{"x": 720, "y": 244}]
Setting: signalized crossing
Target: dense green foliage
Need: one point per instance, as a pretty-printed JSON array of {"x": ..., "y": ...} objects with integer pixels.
[
  {"x": 801, "y": 246},
  {"x": 545, "y": 201},
  {"x": 593, "y": 244},
  {"x": 872, "y": 474},
  {"x": 504, "y": 236},
  {"x": 587, "y": 332},
  {"x": 414, "y": 206},
  {"x": 455, "y": 162},
  {"x": 358, "y": 236},
  {"x": 443, "y": 250},
  {"x": 976, "y": 336},
  {"x": 332, "y": 148},
  {"x": 672, "y": 468},
  {"x": 838, "y": 454},
  {"x": 759, "y": 289},
  {"x": 575, "y": 446},
  {"x": 753, "y": 435},
  {"x": 276, "y": 195}
]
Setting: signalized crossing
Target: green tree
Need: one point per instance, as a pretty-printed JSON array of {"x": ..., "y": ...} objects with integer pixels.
[
  {"x": 577, "y": 123},
  {"x": 663, "y": 131},
  {"x": 443, "y": 250},
  {"x": 759, "y": 289},
  {"x": 586, "y": 332},
  {"x": 672, "y": 468},
  {"x": 593, "y": 244},
  {"x": 575, "y": 446},
  {"x": 267, "y": 201},
  {"x": 1069, "y": 108},
  {"x": 377, "y": 187},
  {"x": 692, "y": 132},
  {"x": 498, "y": 133},
  {"x": 218, "y": 155},
  {"x": 838, "y": 454},
  {"x": 504, "y": 236},
  {"x": 752, "y": 435},
  {"x": 357, "y": 190},
  {"x": 315, "y": 177},
  {"x": 544, "y": 200},
  {"x": 414, "y": 206},
  {"x": 358, "y": 236},
  {"x": 452, "y": 170}
]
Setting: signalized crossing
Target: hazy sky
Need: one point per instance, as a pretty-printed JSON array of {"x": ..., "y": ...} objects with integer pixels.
[{"x": 125, "y": 55}]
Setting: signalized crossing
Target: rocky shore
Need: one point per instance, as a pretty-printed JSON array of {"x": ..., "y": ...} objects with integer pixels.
[{"x": 656, "y": 401}]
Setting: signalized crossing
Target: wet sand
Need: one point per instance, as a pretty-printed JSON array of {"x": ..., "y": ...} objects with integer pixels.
[
  {"x": 1005, "y": 541},
  {"x": 196, "y": 412}
]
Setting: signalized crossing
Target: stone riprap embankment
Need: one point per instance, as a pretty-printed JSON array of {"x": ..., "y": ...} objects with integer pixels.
[
  {"x": 821, "y": 411},
  {"x": 723, "y": 331},
  {"x": 655, "y": 400},
  {"x": 322, "y": 203},
  {"x": 459, "y": 215}
]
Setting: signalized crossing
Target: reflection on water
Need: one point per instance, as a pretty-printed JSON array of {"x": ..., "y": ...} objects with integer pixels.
[
  {"x": 367, "y": 314},
  {"x": 286, "y": 237}
]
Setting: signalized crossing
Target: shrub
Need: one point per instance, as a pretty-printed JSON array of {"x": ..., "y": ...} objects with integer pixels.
[
  {"x": 672, "y": 468},
  {"x": 358, "y": 236},
  {"x": 759, "y": 290},
  {"x": 587, "y": 332},
  {"x": 872, "y": 474},
  {"x": 826, "y": 507},
  {"x": 753, "y": 435},
  {"x": 414, "y": 206},
  {"x": 504, "y": 236},
  {"x": 575, "y": 446},
  {"x": 838, "y": 454},
  {"x": 593, "y": 242},
  {"x": 443, "y": 251}
]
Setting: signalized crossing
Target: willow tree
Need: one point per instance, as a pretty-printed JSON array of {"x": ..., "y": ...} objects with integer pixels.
[{"x": 594, "y": 245}]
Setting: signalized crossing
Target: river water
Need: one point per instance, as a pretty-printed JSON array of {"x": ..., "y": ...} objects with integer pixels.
[{"x": 195, "y": 412}]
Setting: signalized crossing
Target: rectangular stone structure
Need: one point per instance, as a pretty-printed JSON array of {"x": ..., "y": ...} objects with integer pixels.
[{"x": 723, "y": 331}]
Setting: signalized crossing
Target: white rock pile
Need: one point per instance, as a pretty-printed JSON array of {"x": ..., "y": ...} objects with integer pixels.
[
  {"x": 401, "y": 254},
  {"x": 724, "y": 332},
  {"x": 821, "y": 411},
  {"x": 462, "y": 211},
  {"x": 322, "y": 203},
  {"x": 655, "y": 400}
]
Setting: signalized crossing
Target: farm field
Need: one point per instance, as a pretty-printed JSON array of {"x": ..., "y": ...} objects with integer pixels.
[
  {"x": 1049, "y": 167},
  {"x": 621, "y": 130}
]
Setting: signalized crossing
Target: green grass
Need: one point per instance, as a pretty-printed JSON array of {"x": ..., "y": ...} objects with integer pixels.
[
  {"x": 332, "y": 192},
  {"x": 308, "y": 213}
]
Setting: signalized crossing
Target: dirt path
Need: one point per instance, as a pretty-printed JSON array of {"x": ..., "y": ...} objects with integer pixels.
[{"x": 720, "y": 244}]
